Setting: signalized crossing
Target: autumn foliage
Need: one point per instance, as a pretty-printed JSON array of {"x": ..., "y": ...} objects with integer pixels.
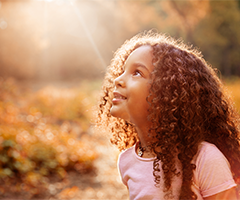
[{"x": 43, "y": 134}]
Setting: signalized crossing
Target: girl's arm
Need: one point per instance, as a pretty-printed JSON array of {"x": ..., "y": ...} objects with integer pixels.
[{"x": 225, "y": 195}]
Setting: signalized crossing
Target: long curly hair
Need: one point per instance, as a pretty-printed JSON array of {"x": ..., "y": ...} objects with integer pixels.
[{"x": 188, "y": 105}]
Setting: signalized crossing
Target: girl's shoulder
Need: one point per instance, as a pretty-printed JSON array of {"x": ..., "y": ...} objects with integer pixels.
[
  {"x": 208, "y": 152},
  {"x": 213, "y": 172},
  {"x": 127, "y": 153},
  {"x": 125, "y": 158},
  {"x": 209, "y": 149},
  {"x": 207, "y": 146}
]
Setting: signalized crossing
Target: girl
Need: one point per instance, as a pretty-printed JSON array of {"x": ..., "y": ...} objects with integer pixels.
[{"x": 167, "y": 107}]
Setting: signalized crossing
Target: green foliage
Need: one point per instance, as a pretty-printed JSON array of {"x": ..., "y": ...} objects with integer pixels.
[
  {"x": 212, "y": 26},
  {"x": 218, "y": 36}
]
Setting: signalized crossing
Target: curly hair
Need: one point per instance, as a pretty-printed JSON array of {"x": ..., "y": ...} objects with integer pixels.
[{"x": 188, "y": 105}]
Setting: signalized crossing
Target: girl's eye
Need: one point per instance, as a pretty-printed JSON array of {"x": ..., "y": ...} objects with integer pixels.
[{"x": 137, "y": 73}]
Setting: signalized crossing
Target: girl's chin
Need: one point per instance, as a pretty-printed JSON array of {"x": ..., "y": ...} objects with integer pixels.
[{"x": 115, "y": 112}]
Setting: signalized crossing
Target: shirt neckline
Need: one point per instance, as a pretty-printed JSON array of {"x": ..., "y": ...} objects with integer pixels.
[{"x": 134, "y": 151}]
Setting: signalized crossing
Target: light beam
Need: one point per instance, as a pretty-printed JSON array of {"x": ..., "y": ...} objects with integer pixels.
[{"x": 81, "y": 20}]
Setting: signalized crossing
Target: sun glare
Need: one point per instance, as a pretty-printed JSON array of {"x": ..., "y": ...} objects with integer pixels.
[
  {"x": 86, "y": 30},
  {"x": 53, "y": 38}
]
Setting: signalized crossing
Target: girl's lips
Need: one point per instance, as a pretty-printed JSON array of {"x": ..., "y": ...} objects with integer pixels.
[{"x": 118, "y": 97}]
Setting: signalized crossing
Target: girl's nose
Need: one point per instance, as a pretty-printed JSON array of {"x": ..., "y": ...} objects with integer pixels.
[{"x": 119, "y": 82}]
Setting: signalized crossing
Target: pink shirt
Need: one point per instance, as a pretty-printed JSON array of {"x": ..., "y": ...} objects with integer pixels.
[{"x": 212, "y": 174}]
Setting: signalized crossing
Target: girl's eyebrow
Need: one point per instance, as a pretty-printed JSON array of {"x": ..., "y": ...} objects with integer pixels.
[
  {"x": 141, "y": 65},
  {"x": 136, "y": 65}
]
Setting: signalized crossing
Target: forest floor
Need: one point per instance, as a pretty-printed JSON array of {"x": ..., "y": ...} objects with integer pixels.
[{"x": 104, "y": 183}]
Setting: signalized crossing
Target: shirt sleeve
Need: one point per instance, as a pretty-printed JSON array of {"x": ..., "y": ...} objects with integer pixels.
[
  {"x": 213, "y": 173},
  {"x": 120, "y": 168}
]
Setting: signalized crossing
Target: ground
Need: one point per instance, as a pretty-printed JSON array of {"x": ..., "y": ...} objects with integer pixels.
[{"x": 104, "y": 183}]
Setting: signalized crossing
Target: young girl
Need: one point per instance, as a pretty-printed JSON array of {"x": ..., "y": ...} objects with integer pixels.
[{"x": 167, "y": 108}]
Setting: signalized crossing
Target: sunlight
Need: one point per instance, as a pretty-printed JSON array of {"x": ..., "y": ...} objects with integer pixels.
[
  {"x": 3, "y": 24},
  {"x": 86, "y": 30},
  {"x": 57, "y": 39},
  {"x": 45, "y": 0},
  {"x": 84, "y": 26}
]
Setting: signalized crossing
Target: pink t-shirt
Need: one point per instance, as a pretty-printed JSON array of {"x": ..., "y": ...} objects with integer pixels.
[{"x": 212, "y": 174}]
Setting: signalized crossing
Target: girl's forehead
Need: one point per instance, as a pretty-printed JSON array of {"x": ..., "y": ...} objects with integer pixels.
[
  {"x": 142, "y": 51},
  {"x": 143, "y": 55}
]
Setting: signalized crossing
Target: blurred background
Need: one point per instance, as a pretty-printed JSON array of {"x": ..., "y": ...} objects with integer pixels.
[
  {"x": 53, "y": 57},
  {"x": 75, "y": 39}
]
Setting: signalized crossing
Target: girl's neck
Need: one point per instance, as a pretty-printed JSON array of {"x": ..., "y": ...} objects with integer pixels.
[
  {"x": 144, "y": 136},
  {"x": 145, "y": 146},
  {"x": 144, "y": 152}
]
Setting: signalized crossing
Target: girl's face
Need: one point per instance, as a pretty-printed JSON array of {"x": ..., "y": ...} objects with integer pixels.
[{"x": 132, "y": 87}]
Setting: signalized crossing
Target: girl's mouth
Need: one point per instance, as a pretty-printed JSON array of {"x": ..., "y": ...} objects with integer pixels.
[{"x": 118, "y": 97}]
